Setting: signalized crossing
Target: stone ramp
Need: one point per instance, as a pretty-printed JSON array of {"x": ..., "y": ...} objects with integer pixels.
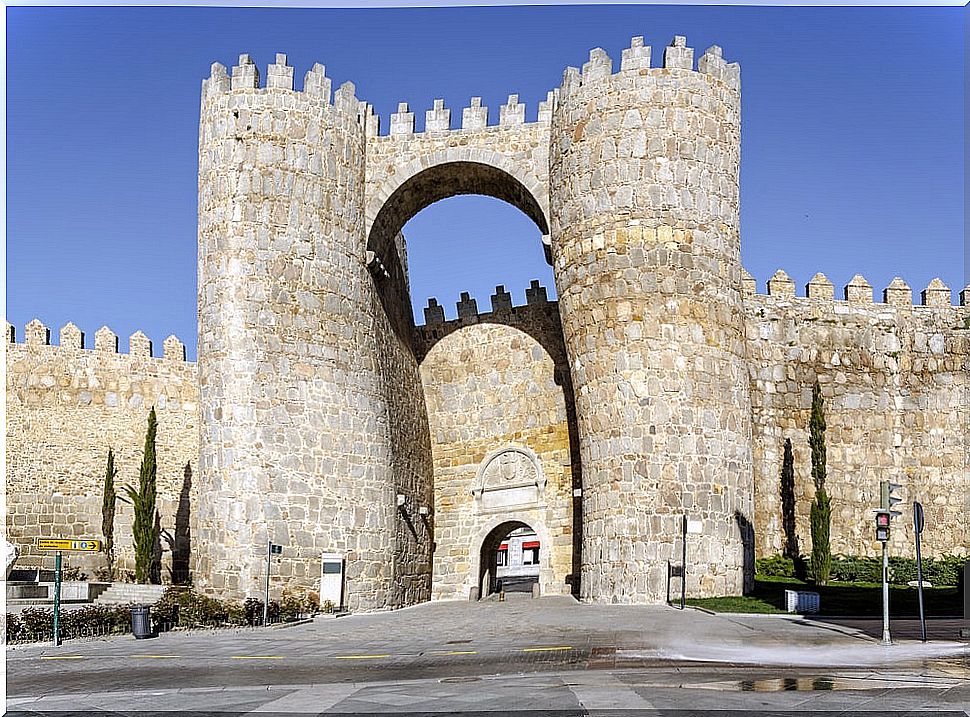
[{"x": 124, "y": 593}]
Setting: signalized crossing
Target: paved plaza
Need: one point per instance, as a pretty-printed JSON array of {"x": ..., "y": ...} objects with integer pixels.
[{"x": 551, "y": 655}]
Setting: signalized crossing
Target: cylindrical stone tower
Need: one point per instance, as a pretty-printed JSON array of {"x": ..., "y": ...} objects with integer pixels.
[
  {"x": 295, "y": 436},
  {"x": 644, "y": 215}
]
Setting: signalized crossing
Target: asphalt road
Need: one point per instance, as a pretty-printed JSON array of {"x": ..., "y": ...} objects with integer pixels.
[{"x": 550, "y": 655}]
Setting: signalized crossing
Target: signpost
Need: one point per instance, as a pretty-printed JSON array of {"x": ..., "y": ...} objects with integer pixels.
[
  {"x": 918, "y": 525},
  {"x": 271, "y": 550},
  {"x": 683, "y": 574},
  {"x": 884, "y": 516},
  {"x": 86, "y": 546},
  {"x": 59, "y": 545},
  {"x": 57, "y": 599},
  {"x": 687, "y": 526}
]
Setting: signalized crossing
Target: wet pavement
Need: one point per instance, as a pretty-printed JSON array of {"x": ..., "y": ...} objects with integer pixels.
[{"x": 546, "y": 655}]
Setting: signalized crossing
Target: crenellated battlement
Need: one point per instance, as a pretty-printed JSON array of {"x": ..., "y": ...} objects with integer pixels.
[
  {"x": 636, "y": 60},
  {"x": 475, "y": 117},
  {"x": 857, "y": 292},
  {"x": 537, "y": 317},
  {"x": 501, "y": 301},
  {"x": 244, "y": 78},
  {"x": 37, "y": 334}
]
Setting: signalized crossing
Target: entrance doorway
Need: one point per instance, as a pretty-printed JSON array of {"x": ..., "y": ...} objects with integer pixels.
[{"x": 510, "y": 559}]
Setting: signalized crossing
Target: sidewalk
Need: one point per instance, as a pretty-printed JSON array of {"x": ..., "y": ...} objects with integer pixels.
[{"x": 644, "y": 633}]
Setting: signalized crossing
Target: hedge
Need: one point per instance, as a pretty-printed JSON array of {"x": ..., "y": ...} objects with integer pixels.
[
  {"x": 178, "y": 607},
  {"x": 941, "y": 571}
]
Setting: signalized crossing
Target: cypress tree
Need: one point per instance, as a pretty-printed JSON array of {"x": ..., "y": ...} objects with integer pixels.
[
  {"x": 145, "y": 526},
  {"x": 821, "y": 512},
  {"x": 108, "y": 514},
  {"x": 788, "y": 503}
]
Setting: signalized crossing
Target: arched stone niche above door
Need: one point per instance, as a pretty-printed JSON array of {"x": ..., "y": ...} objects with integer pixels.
[{"x": 509, "y": 477}]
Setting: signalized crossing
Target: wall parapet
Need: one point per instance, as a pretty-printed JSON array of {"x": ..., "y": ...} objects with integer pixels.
[
  {"x": 501, "y": 300},
  {"x": 71, "y": 337},
  {"x": 539, "y": 317},
  {"x": 636, "y": 59},
  {"x": 858, "y": 291},
  {"x": 475, "y": 117},
  {"x": 245, "y": 77}
]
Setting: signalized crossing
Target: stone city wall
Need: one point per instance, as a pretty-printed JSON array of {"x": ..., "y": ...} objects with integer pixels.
[
  {"x": 67, "y": 405},
  {"x": 500, "y": 432},
  {"x": 897, "y": 407},
  {"x": 410, "y": 440},
  {"x": 299, "y": 446},
  {"x": 643, "y": 178}
]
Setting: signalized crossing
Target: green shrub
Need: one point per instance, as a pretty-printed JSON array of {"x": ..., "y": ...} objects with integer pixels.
[
  {"x": 295, "y": 606},
  {"x": 184, "y": 607},
  {"x": 37, "y": 623},
  {"x": 179, "y": 606},
  {"x": 945, "y": 570},
  {"x": 853, "y": 569},
  {"x": 775, "y": 566},
  {"x": 942, "y": 571}
]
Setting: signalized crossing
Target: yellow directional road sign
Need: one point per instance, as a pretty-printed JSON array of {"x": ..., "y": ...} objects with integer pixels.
[{"x": 67, "y": 544}]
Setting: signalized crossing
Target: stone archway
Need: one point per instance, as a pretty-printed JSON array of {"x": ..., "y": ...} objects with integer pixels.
[
  {"x": 488, "y": 550},
  {"x": 394, "y": 197},
  {"x": 501, "y": 444},
  {"x": 424, "y": 185}
]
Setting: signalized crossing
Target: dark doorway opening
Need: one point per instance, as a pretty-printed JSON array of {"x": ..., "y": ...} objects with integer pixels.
[{"x": 510, "y": 559}]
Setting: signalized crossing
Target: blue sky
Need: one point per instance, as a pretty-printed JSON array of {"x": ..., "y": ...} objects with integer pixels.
[{"x": 852, "y": 154}]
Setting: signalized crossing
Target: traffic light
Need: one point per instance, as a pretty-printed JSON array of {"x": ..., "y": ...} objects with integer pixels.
[
  {"x": 887, "y": 499},
  {"x": 882, "y": 525}
]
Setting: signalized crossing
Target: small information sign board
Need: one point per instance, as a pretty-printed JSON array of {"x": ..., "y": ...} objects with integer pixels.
[{"x": 88, "y": 546}]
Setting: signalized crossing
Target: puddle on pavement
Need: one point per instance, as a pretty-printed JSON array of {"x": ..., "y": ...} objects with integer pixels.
[
  {"x": 450, "y": 680},
  {"x": 795, "y": 684},
  {"x": 803, "y": 684}
]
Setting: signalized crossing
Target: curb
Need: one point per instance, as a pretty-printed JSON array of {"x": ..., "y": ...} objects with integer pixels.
[{"x": 284, "y": 625}]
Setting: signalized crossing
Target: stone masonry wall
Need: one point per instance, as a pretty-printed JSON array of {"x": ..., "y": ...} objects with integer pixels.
[
  {"x": 408, "y": 170},
  {"x": 644, "y": 218},
  {"x": 896, "y": 383},
  {"x": 410, "y": 440},
  {"x": 66, "y": 405},
  {"x": 490, "y": 387},
  {"x": 298, "y": 440}
]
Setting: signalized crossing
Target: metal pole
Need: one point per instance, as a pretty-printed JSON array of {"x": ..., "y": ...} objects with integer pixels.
[
  {"x": 918, "y": 524},
  {"x": 57, "y": 599},
  {"x": 683, "y": 574},
  {"x": 269, "y": 558},
  {"x": 668, "y": 583},
  {"x": 886, "y": 639}
]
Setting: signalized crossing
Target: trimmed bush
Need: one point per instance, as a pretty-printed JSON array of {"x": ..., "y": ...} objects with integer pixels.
[
  {"x": 183, "y": 607},
  {"x": 776, "y": 566},
  {"x": 942, "y": 571},
  {"x": 37, "y": 623},
  {"x": 178, "y": 607}
]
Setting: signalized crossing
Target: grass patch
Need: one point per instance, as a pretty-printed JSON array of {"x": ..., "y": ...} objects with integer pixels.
[
  {"x": 745, "y": 603},
  {"x": 836, "y": 599}
]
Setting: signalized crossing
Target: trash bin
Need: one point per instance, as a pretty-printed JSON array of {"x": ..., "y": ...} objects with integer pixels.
[{"x": 141, "y": 621}]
